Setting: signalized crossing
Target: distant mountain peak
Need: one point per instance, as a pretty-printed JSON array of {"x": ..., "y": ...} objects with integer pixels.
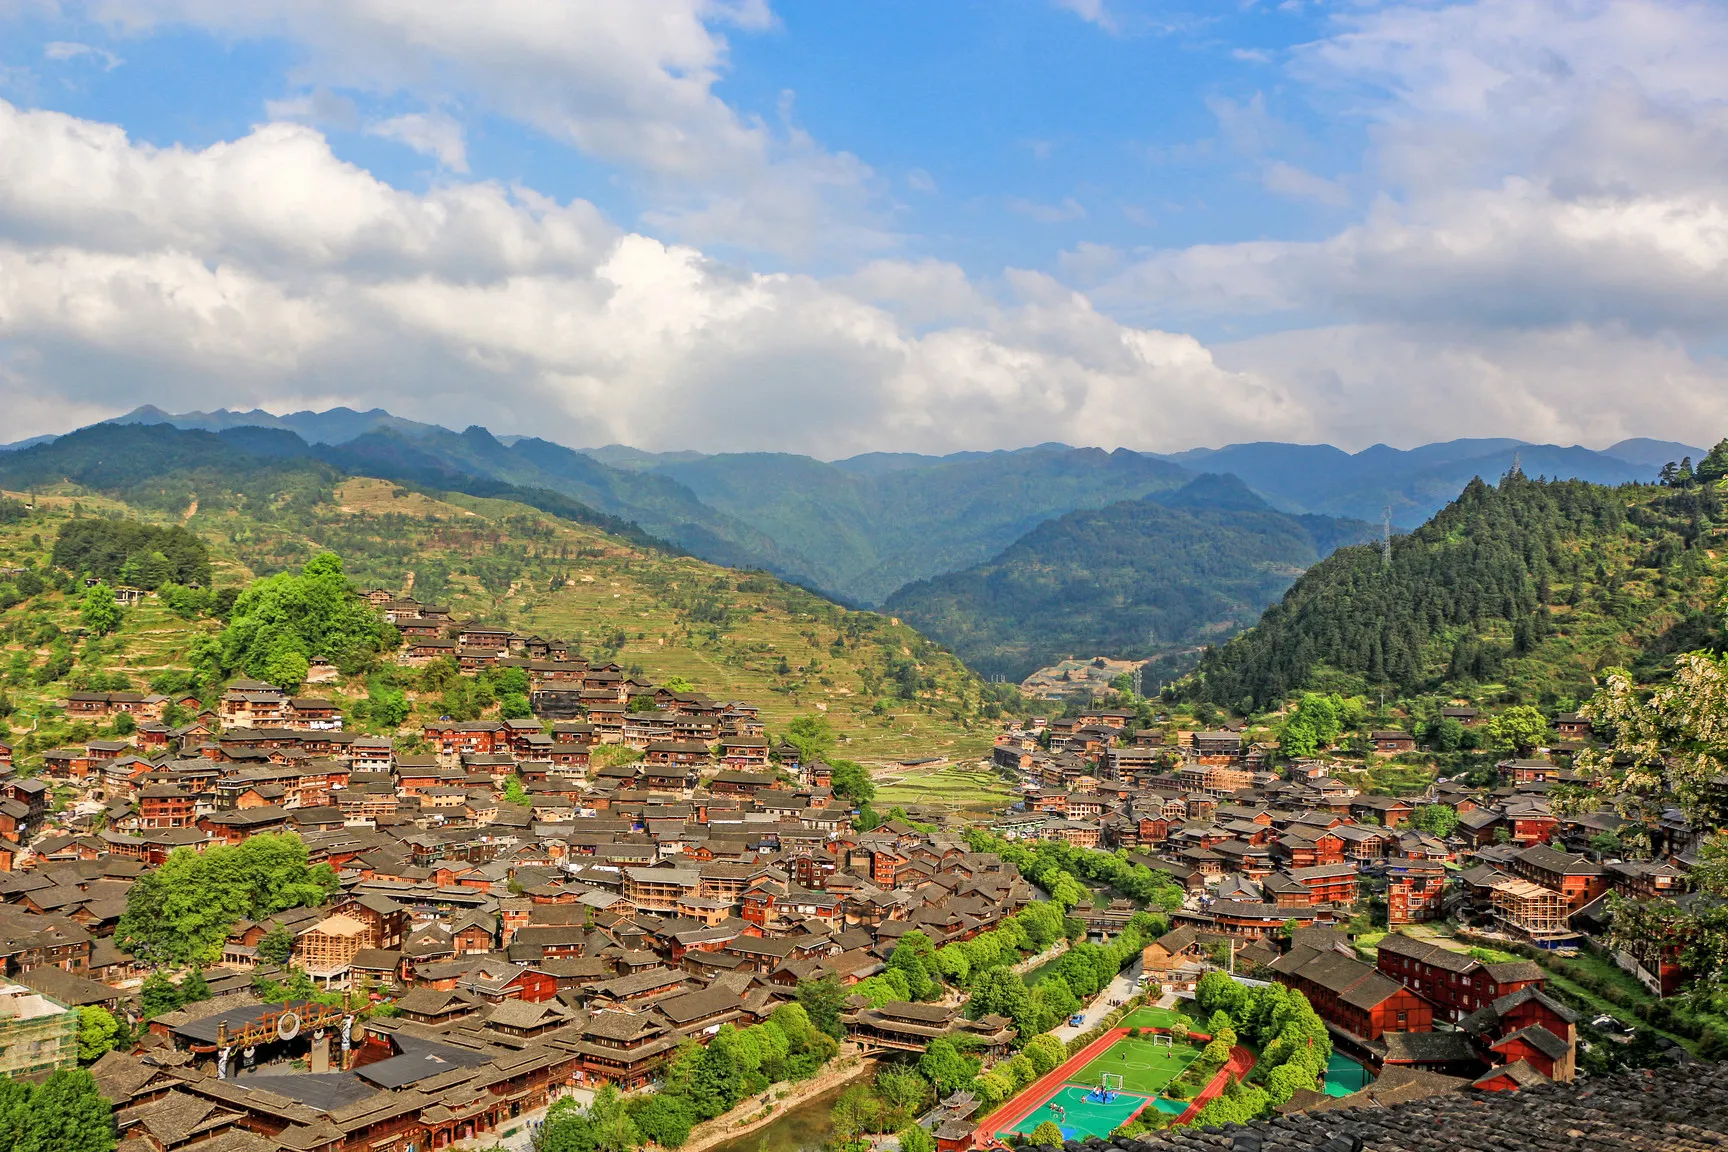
[
  {"x": 336, "y": 425},
  {"x": 1224, "y": 492}
]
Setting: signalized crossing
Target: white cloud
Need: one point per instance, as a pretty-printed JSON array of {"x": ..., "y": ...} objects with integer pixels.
[
  {"x": 428, "y": 133},
  {"x": 1552, "y": 212},
  {"x": 1091, "y": 11},
  {"x": 1569, "y": 384},
  {"x": 261, "y": 270},
  {"x": 1068, "y": 210},
  {"x": 628, "y": 83},
  {"x": 1288, "y": 180},
  {"x": 922, "y": 182},
  {"x": 73, "y": 50}
]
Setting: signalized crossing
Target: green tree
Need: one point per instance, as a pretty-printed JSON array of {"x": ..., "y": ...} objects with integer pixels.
[
  {"x": 279, "y": 622},
  {"x": 1669, "y": 747},
  {"x": 822, "y": 1000},
  {"x": 915, "y": 1139},
  {"x": 194, "y": 987},
  {"x": 1714, "y": 466},
  {"x": 945, "y": 1066},
  {"x": 387, "y": 707},
  {"x": 717, "y": 1082},
  {"x": 1048, "y": 1134},
  {"x": 1285, "y": 1080},
  {"x": 65, "y": 1113},
  {"x": 1445, "y": 734},
  {"x": 98, "y": 612},
  {"x": 1216, "y": 991},
  {"x": 181, "y": 911},
  {"x": 1001, "y": 991},
  {"x": 1437, "y": 819},
  {"x": 913, "y": 957},
  {"x": 276, "y": 944},
  {"x": 1520, "y": 728},
  {"x": 514, "y": 706},
  {"x": 157, "y": 995},
  {"x": 515, "y": 792},
  {"x": 1046, "y": 1052},
  {"x": 97, "y": 1033},
  {"x": 664, "y": 1118},
  {"x": 813, "y": 736},
  {"x": 851, "y": 781}
]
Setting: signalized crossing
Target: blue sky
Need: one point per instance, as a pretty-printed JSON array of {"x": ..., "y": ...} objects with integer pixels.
[{"x": 837, "y": 227}]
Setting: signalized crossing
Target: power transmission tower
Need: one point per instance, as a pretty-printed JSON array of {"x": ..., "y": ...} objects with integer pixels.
[
  {"x": 1386, "y": 539},
  {"x": 1138, "y": 669}
]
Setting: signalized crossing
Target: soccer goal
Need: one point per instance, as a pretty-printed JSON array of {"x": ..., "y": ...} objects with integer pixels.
[
  {"x": 1163, "y": 1039},
  {"x": 1110, "y": 1082}
]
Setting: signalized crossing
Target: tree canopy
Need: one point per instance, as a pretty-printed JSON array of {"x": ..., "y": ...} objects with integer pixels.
[
  {"x": 129, "y": 552},
  {"x": 279, "y": 623},
  {"x": 182, "y": 911},
  {"x": 1441, "y": 610},
  {"x": 65, "y": 1113}
]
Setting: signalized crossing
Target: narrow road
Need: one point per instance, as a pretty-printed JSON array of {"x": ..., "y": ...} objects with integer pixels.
[{"x": 1121, "y": 988}]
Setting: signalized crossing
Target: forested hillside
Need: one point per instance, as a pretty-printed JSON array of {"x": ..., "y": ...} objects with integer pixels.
[
  {"x": 1138, "y": 579},
  {"x": 1519, "y": 590},
  {"x": 225, "y": 509},
  {"x": 866, "y": 528}
]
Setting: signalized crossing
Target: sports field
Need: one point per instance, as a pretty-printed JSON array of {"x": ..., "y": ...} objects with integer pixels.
[
  {"x": 1150, "y": 1017},
  {"x": 1083, "y": 1117},
  {"x": 1145, "y": 1067}
]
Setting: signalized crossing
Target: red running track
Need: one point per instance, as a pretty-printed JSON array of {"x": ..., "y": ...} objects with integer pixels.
[
  {"x": 1041, "y": 1089},
  {"x": 1241, "y": 1062}
]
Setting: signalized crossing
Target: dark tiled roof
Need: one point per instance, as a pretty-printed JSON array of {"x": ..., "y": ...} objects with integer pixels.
[{"x": 1671, "y": 1110}]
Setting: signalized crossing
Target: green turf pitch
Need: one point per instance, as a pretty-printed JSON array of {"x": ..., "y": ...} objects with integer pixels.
[
  {"x": 1085, "y": 1117},
  {"x": 1144, "y": 1068},
  {"x": 1149, "y": 1017}
]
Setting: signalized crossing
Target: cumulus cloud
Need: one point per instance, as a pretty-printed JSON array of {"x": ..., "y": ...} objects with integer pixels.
[
  {"x": 265, "y": 271},
  {"x": 1553, "y": 206},
  {"x": 1540, "y": 248},
  {"x": 428, "y": 133},
  {"x": 627, "y": 83},
  {"x": 1566, "y": 384}
]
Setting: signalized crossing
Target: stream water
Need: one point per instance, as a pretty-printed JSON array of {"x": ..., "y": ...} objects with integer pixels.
[{"x": 802, "y": 1128}]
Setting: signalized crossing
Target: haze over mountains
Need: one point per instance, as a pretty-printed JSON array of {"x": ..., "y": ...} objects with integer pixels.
[{"x": 865, "y": 529}]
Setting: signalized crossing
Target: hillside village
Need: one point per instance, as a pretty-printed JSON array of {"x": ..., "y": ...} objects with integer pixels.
[
  {"x": 526, "y": 906},
  {"x": 362, "y": 871}
]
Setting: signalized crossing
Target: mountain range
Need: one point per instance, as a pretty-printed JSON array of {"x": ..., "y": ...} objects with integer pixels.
[
  {"x": 890, "y": 528},
  {"x": 1149, "y": 578}
]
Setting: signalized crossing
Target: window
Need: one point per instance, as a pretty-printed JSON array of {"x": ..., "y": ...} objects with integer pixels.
[{"x": 1402, "y": 1016}]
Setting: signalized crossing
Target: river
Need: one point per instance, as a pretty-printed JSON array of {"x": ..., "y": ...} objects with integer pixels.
[{"x": 804, "y": 1128}]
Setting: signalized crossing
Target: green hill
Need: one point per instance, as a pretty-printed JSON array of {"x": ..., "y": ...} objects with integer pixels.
[
  {"x": 530, "y": 559},
  {"x": 1139, "y": 579},
  {"x": 1516, "y": 591},
  {"x": 866, "y": 527}
]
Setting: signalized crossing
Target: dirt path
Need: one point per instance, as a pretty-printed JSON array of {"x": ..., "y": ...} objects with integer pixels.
[
  {"x": 750, "y": 1115},
  {"x": 192, "y": 511}
]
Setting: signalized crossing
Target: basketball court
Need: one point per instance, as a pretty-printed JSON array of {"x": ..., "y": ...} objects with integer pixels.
[{"x": 1080, "y": 1113}]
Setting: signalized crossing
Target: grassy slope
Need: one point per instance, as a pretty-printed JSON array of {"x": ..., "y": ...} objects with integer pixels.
[{"x": 726, "y": 631}]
